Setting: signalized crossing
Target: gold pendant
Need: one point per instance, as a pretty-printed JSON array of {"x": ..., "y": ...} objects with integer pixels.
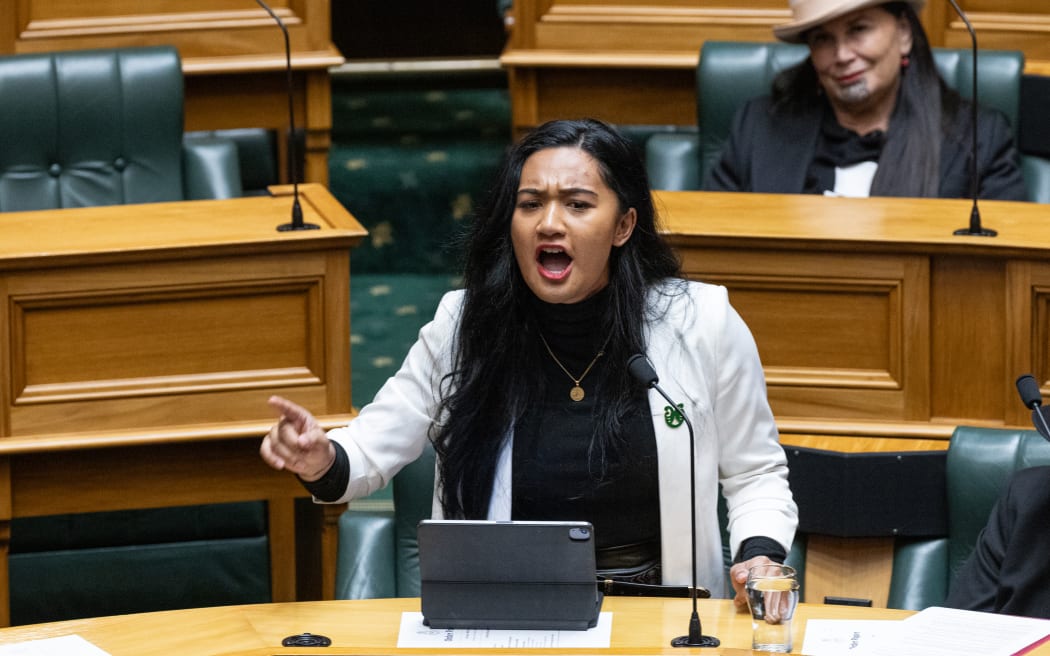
[{"x": 576, "y": 393}]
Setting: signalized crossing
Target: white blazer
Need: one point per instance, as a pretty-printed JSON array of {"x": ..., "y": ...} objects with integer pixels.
[{"x": 707, "y": 361}]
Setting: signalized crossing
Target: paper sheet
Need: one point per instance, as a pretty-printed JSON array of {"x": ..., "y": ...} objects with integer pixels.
[
  {"x": 844, "y": 637},
  {"x": 949, "y": 632},
  {"x": 414, "y": 634},
  {"x": 70, "y": 645}
]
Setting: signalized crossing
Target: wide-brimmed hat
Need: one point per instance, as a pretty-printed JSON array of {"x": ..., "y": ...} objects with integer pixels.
[{"x": 810, "y": 13}]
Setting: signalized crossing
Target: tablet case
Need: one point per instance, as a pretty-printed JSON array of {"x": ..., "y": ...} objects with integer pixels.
[{"x": 508, "y": 575}]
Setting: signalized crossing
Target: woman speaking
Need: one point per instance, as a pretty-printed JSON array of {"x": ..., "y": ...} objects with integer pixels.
[{"x": 521, "y": 381}]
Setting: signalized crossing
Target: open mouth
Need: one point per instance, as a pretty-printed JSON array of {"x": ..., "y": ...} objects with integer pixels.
[{"x": 553, "y": 261}]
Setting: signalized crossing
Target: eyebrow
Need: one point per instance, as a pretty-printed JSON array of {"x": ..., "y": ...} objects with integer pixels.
[{"x": 563, "y": 192}]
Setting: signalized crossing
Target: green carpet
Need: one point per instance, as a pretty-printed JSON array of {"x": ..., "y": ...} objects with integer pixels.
[
  {"x": 386, "y": 312},
  {"x": 410, "y": 161}
]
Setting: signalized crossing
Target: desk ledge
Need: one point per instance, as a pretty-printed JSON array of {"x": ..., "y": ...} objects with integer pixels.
[{"x": 233, "y": 430}]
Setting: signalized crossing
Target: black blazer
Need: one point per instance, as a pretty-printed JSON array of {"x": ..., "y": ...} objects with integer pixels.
[
  {"x": 771, "y": 152},
  {"x": 1009, "y": 570}
]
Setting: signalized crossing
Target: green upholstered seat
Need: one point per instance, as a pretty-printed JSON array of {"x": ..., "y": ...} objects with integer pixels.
[
  {"x": 85, "y": 565},
  {"x": 256, "y": 155},
  {"x": 732, "y": 72},
  {"x": 103, "y": 127},
  {"x": 378, "y": 551},
  {"x": 979, "y": 463}
]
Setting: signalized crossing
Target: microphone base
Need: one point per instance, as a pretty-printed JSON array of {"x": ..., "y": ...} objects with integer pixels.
[
  {"x": 702, "y": 641},
  {"x": 288, "y": 227},
  {"x": 981, "y": 232}
]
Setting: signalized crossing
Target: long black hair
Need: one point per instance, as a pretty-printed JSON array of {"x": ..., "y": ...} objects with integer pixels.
[
  {"x": 492, "y": 382},
  {"x": 926, "y": 108}
]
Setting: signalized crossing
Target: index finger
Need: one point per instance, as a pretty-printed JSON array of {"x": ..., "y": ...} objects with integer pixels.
[{"x": 296, "y": 414}]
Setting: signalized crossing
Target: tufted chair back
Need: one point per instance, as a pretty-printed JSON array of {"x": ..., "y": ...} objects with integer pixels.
[
  {"x": 979, "y": 464},
  {"x": 102, "y": 127}
]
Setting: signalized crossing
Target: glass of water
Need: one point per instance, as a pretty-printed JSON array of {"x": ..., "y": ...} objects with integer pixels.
[{"x": 772, "y": 595}]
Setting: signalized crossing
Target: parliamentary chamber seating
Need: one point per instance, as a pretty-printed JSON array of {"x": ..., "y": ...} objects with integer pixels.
[
  {"x": 730, "y": 72},
  {"x": 105, "y": 127}
]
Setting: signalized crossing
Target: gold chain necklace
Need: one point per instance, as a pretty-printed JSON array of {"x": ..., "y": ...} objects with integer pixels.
[{"x": 576, "y": 393}]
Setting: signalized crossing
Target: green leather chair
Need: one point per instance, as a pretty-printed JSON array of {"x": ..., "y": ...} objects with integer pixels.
[
  {"x": 379, "y": 553},
  {"x": 979, "y": 463},
  {"x": 378, "y": 550},
  {"x": 731, "y": 72},
  {"x": 103, "y": 127}
]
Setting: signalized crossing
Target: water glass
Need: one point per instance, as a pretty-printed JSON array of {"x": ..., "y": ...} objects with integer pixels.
[{"x": 772, "y": 595}]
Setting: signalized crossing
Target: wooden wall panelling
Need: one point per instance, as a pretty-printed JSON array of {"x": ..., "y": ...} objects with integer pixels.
[
  {"x": 999, "y": 24},
  {"x": 625, "y": 62}
]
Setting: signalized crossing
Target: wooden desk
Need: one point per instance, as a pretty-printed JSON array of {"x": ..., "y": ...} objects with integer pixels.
[
  {"x": 879, "y": 330},
  {"x": 640, "y": 626},
  {"x": 871, "y": 318},
  {"x": 144, "y": 340}
]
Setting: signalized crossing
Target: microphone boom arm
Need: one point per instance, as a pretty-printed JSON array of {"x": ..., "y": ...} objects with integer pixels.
[
  {"x": 639, "y": 367},
  {"x": 974, "y": 229},
  {"x": 297, "y": 222}
]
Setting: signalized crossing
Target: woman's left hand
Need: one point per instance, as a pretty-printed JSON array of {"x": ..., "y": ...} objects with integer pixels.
[{"x": 738, "y": 575}]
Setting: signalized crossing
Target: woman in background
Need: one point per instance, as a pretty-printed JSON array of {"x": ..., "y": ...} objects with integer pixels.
[{"x": 866, "y": 114}]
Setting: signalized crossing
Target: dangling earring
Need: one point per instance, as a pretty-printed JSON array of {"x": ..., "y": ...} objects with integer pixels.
[{"x": 905, "y": 61}]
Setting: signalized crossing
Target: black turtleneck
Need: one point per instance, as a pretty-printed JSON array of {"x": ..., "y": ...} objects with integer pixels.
[{"x": 561, "y": 470}]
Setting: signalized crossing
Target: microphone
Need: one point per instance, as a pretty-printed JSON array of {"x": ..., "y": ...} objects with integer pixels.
[
  {"x": 1032, "y": 398},
  {"x": 644, "y": 373},
  {"x": 974, "y": 229},
  {"x": 293, "y": 156}
]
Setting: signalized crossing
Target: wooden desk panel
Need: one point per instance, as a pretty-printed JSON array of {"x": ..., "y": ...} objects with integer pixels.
[
  {"x": 145, "y": 339},
  {"x": 832, "y": 321},
  {"x": 870, "y": 311},
  {"x": 152, "y": 337}
]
